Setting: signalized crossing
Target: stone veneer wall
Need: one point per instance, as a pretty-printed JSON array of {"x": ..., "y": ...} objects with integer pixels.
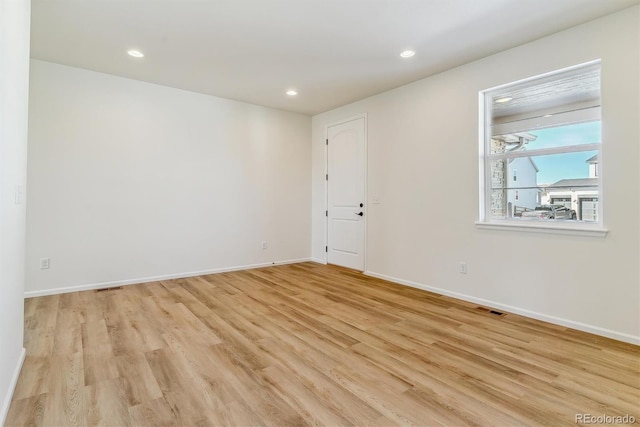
[{"x": 498, "y": 171}]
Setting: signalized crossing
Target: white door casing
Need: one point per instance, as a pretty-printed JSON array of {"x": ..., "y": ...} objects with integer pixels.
[{"x": 346, "y": 216}]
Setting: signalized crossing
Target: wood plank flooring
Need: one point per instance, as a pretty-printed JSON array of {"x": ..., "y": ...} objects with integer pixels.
[{"x": 306, "y": 344}]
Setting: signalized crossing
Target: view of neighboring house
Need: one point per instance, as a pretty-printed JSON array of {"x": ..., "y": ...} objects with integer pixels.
[
  {"x": 516, "y": 177},
  {"x": 579, "y": 194},
  {"x": 516, "y": 187},
  {"x": 523, "y": 174}
]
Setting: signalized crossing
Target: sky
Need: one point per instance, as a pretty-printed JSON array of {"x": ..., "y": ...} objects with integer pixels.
[{"x": 564, "y": 166}]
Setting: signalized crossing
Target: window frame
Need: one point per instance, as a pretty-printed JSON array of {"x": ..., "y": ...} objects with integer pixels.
[{"x": 486, "y": 131}]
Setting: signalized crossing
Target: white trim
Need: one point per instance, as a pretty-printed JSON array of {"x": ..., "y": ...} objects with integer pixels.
[
  {"x": 539, "y": 227},
  {"x": 116, "y": 283},
  {"x": 545, "y": 151},
  {"x": 620, "y": 336},
  {"x": 365, "y": 189},
  {"x": 348, "y": 119},
  {"x": 12, "y": 387},
  {"x": 326, "y": 193},
  {"x": 601, "y": 185},
  {"x": 485, "y": 126},
  {"x": 319, "y": 261},
  {"x": 484, "y": 201}
]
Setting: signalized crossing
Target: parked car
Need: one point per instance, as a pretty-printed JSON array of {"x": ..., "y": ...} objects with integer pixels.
[{"x": 550, "y": 212}]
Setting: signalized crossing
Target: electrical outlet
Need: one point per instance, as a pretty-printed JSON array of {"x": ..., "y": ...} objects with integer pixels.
[
  {"x": 463, "y": 267},
  {"x": 263, "y": 245},
  {"x": 44, "y": 263}
]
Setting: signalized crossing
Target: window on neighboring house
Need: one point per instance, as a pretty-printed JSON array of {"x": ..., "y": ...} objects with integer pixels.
[{"x": 541, "y": 150}]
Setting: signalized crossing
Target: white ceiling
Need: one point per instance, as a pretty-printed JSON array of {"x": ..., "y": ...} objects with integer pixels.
[{"x": 332, "y": 51}]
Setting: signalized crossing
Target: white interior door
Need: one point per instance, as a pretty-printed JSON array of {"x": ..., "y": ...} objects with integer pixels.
[{"x": 346, "y": 190}]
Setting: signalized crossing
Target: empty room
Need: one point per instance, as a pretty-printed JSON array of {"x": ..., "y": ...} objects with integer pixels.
[{"x": 319, "y": 212}]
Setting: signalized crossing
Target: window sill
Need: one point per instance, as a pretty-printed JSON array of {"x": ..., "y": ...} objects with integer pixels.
[{"x": 565, "y": 229}]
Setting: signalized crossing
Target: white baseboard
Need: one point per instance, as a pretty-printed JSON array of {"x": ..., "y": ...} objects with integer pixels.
[
  {"x": 117, "y": 283},
  {"x": 12, "y": 387},
  {"x": 319, "y": 261},
  {"x": 515, "y": 310}
]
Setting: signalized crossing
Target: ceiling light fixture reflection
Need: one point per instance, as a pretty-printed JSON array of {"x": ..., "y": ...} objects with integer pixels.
[
  {"x": 135, "y": 53},
  {"x": 407, "y": 54},
  {"x": 292, "y": 92},
  {"x": 503, "y": 100}
]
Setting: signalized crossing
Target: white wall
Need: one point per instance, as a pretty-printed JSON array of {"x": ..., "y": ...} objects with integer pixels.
[
  {"x": 14, "y": 87},
  {"x": 130, "y": 181},
  {"x": 423, "y": 165}
]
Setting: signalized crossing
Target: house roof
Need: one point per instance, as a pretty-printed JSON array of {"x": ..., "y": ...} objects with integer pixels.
[
  {"x": 577, "y": 182},
  {"x": 593, "y": 159}
]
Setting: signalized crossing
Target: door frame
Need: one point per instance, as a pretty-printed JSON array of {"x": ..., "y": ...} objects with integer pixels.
[{"x": 365, "y": 177}]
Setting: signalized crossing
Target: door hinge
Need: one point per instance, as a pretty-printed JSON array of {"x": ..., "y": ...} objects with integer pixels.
[
  {"x": 326, "y": 213},
  {"x": 327, "y": 177},
  {"x": 326, "y": 248},
  {"x": 327, "y": 141}
]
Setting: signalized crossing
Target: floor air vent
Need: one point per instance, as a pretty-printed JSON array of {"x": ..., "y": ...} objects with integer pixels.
[
  {"x": 109, "y": 289},
  {"x": 494, "y": 312}
]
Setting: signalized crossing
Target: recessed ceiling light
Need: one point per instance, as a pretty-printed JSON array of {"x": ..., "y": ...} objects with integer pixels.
[
  {"x": 548, "y": 115},
  {"x": 407, "y": 53},
  {"x": 292, "y": 92},
  {"x": 135, "y": 53},
  {"x": 505, "y": 99}
]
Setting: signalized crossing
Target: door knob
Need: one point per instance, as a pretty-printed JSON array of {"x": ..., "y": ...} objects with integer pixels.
[{"x": 360, "y": 213}]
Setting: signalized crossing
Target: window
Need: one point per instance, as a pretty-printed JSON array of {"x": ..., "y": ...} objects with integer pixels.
[{"x": 540, "y": 163}]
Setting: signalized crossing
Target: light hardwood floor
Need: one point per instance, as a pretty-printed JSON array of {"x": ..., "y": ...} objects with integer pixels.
[{"x": 307, "y": 344}]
